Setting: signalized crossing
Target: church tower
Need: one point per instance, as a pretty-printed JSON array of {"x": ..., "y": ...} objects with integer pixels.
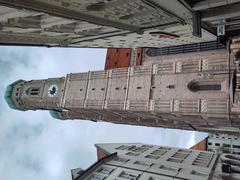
[
  {"x": 36, "y": 94},
  {"x": 192, "y": 91}
]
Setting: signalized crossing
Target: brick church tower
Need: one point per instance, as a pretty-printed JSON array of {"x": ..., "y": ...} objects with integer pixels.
[{"x": 189, "y": 90}]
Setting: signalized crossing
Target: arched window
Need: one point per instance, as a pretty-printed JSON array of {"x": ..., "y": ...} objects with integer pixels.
[
  {"x": 33, "y": 91},
  {"x": 196, "y": 86}
]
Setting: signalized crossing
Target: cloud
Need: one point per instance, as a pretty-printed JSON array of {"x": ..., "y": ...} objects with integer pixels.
[{"x": 36, "y": 146}]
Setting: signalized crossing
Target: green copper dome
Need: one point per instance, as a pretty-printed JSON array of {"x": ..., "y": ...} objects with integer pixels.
[
  {"x": 8, "y": 95},
  {"x": 55, "y": 114}
]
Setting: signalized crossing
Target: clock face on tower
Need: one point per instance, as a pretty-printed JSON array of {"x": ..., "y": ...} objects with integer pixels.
[{"x": 52, "y": 91}]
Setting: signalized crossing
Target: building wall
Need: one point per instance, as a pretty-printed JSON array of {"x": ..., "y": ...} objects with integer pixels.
[
  {"x": 120, "y": 24},
  {"x": 101, "y": 154},
  {"x": 155, "y": 162},
  {"x": 224, "y": 143},
  {"x": 118, "y": 58}
]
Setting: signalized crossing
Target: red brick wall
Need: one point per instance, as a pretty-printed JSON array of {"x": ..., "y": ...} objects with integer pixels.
[
  {"x": 118, "y": 58},
  {"x": 100, "y": 154},
  {"x": 202, "y": 145}
]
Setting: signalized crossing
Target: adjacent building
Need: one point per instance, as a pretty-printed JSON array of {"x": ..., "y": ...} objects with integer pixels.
[
  {"x": 223, "y": 143},
  {"x": 94, "y": 23},
  {"x": 219, "y": 143},
  {"x": 151, "y": 162},
  {"x": 191, "y": 87}
]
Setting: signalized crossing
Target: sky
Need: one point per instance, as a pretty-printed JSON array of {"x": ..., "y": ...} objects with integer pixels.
[{"x": 33, "y": 145}]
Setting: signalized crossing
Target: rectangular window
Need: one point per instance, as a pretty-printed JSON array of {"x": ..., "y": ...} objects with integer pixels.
[
  {"x": 96, "y": 177},
  {"x": 199, "y": 174},
  {"x": 142, "y": 163},
  {"x": 146, "y": 146},
  {"x": 204, "y": 155},
  {"x": 184, "y": 151},
  {"x": 164, "y": 148},
  {"x": 175, "y": 160},
  {"x": 209, "y": 143},
  {"x": 180, "y": 155},
  {"x": 120, "y": 159},
  {"x": 226, "y": 145},
  {"x": 132, "y": 154},
  {"x": 138, "y": 149},
  {"x": 217, "y": 144},
  {"x": 152, "y": 157},
  {"x": 196, "y": 163},
  {"x": 167, "y": 168},
  {"x": 203, "y": 159},
  {"x": 128, "y": 175},
  {"x": 105, "y": 170},
  {"x": 159, "y": 152},
  {"x": 122, "y": 147},
  {"x": 236, "y": 146}
]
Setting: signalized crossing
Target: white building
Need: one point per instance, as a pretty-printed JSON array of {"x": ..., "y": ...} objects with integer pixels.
[
  {"x": 150, "y": 162},
  {"x": 94, "y": 23},
  {"x": 223, "y": 143}
]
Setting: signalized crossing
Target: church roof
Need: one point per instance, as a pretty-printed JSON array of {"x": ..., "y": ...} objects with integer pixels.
[
  {"x": 8, "y": 95},
  {"x": 55, "y": 114}
]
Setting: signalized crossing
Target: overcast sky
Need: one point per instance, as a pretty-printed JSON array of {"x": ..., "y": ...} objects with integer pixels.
[{"x": 33, "y": 145}]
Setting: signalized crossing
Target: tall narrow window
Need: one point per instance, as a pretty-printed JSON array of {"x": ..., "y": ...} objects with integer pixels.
[
  {"x": 196, "y": 86},
  {"x": 33, "y": 91}
]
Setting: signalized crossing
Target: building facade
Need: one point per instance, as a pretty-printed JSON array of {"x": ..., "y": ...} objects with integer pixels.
[
  {"x": 95, "y": 23},
  {"x": 223, "y": 143},
  {"x": 191, "y": 91},
  {"x": 151, "y": 162}
]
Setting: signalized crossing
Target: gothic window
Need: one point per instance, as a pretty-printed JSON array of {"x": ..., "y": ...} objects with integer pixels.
[
  {"x": 33, "y": 91},
  {"x": 196, "y": 86}
]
